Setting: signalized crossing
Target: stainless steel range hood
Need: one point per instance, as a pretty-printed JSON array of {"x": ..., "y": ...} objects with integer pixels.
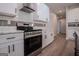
[{"x": 27, "y": 7}]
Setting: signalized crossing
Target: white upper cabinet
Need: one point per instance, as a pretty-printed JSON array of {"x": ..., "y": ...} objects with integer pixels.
[
  {"x": 73, "y": 15},
  {"x": 43, "y": 12},
  {"x": 8, "y": 9}
]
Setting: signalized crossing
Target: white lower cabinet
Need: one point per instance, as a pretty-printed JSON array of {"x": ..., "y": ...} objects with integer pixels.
[
  {"x": 17, "y": 48},
  {"x": 4, "y": 49},
  {"x": 12, "y": 45},
  {"x": 12, "y": 49}
]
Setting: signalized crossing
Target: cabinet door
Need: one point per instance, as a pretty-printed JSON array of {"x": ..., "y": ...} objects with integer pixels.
[
  {"x": 5, "y": 49},
  {"x": 42, "y": 11},
  {"x": 33, "y": 6},
  {"x": 17, "y": 48},
  {"x": 73, "y": 15},
  {"x": 8, "y": 9},
  {"x": 70, "y": 16}
]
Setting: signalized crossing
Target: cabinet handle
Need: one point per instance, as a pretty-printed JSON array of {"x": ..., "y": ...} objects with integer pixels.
[
  {"x": 8, "y": 49},
  {"x": 11, "y": 38},
  {"x": 13, "y": 47}
]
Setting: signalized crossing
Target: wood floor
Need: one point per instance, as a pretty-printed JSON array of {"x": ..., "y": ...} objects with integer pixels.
[{"x": 59, "y": 47}]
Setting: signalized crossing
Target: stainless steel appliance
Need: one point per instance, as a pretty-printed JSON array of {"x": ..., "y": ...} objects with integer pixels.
[
  {"x": 28, "y": 7},
  {"x": 32, "y": 40}
]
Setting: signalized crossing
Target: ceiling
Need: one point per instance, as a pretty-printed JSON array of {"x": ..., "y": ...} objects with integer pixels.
[{"x": 59, "y": 8}]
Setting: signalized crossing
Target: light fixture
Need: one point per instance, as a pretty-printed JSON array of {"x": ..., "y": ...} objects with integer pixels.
[{"x": 60, "y": 11}]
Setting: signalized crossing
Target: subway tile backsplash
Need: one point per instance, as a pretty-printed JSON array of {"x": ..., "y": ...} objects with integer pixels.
[{"x": 5, "y": 23}]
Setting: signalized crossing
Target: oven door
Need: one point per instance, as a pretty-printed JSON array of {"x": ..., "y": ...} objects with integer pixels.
[
  {"x": 35, "y": 43},
  {"x": 31, "y": 44}
]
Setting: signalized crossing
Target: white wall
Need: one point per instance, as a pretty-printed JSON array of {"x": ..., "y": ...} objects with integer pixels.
[
  {"x": 58, "y": 26},
  {"x": 54, "y": 23}
]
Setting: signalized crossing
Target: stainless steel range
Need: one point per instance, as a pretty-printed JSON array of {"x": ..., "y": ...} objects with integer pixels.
[
  {"x": 32, "y": 40},
  {"x": 32, "y": 33}
]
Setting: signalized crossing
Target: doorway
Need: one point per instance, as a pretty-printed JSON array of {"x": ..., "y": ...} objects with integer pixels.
[{"x": 61, "y": 26}]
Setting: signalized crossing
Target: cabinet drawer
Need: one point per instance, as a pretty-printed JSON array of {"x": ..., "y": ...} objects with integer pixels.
[
  {"x": 11, "y": 37},
  {"x": 3, "y": 39}
]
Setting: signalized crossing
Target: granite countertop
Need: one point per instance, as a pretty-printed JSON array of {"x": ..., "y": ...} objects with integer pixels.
[{"x": 11, "y": 32}]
